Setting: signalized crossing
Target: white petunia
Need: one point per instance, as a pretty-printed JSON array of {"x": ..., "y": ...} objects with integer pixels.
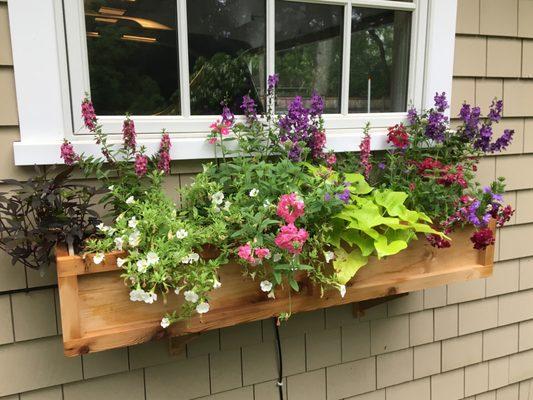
[
  {"x": 98, "y": 258},
  {"x": 194, "y": 257},
  {"x": 181, "y": 234},
  {"x": 112, "y": 187},
  {"x": 102, "y": 227},
  {"x": 142, "y": 266},
  {"x": 266, "y": 203},
  {"x": 119, "y": 243},
  {"x": 137, "y": 295},
  {"x": 130, "y": 200},
  {"x": 152, "y": 258},
  {"x": 149, "y": 298},
  {"x": 216, "y": 284},
  {"x": 227, "y": 205},
  {"x": 217, "y": 198},
  {"x": 276, "y": 257},
  {"x": 254, "y": 192},
  {"x": 177, "y": 290},
  {"x": 329, "y": 255},
  {"x": 266, "y": 286},
  {"x": 134, "y": 239},
  {"x": 202, "y": 307},
  {"x": 111, "y": 231},
  {"x": 165, "y": 322},
  {"x": 271, "y": 295},
  {"x": 190, "y": 296},
  {"x": 121, "y": 261},
  {"x": 342, "y": 290},
  {"x": 132, "y": 223}
]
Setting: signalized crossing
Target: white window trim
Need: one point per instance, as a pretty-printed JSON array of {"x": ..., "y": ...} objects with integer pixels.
[{"x": 44, "y": 97}]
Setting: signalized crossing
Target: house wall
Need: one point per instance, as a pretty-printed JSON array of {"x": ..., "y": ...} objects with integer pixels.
[{"x": 470, "y": 340}]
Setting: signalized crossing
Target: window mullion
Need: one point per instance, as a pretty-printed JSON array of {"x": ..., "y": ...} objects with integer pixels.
[
  {"x": 346, "y": 45},
  {"x": 183, "y": 51},
  {"x": 270, "y": 38}
]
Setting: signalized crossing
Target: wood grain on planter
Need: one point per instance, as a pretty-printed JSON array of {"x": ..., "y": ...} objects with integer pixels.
[{"x": 98, "y": 315}]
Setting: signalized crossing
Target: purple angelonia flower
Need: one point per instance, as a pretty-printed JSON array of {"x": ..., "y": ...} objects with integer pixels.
[
  {"x": 344, "y": 196},
  {"x": 436, "y": 127},
  {"x": 440, "y": 102},
  {"x": 317, "y": 105},
  {"x": 273, "y": 81},
  {"x": 248, "y": 106},
  {"x": 412, "y": 115},
  {"x": 496, "y": 108},
  {"x": 227, "y": 115}
]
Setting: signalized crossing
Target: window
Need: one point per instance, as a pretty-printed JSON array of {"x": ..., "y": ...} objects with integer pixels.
[{"x": 170, "y": 63}]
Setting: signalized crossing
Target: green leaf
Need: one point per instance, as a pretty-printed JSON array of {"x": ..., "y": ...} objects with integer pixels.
[
  {"x": 383, "y": 248},
  {"x": 346, "y": 264},
  {"x": 357, "y": 238},
  {"x": 358, "y": 184},
  {"x": 294, "y": 284}
]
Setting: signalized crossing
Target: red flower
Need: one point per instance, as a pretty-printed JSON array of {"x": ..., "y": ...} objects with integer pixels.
[
  {"x": 482, "y": 239},
  {"x": 398, "y": 136},
  {"x": 437, "y": 241}
]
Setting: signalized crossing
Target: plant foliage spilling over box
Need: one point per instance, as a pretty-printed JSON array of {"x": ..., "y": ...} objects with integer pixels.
[{"x": 277, "y": 224}]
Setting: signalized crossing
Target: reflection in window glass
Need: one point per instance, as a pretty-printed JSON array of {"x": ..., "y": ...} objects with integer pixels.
[
  {"x": 133, "y": 57},
  {"x": 226, "y": 53},
  {"x": 379, "y": 60},
  {"x": 309, "y": 52}
]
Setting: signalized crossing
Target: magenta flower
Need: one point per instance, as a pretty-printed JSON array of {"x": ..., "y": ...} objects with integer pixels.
[
  {"x": 273, "y": 81},
  {"x": 128, "y": 134},
  {"x": 482, "y": 239},
  {"x": 164, "y": 154},
  {"x": 290, "y": 208},
  {"x": 245, "y": 253},
  {"x": 141, "y": 164},
  {"x": 67, "y": 153},
  {"x": 262, "y": 252},
  {"x": 365, "y": 155},
  {"x": 291, "y": 238},
  {"x": 221, "y": 127},
  {"x": 88, "y": 114}
]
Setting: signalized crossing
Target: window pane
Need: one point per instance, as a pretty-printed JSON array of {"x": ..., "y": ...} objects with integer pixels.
[
  {"x": 226, "y": 53},
  {"x": 133, "y": 57},
  {"x": 309, "y": 52},
  {"x": 379, "y": 60}
]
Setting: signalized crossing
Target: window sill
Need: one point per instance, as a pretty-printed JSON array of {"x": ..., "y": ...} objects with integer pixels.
[{"x": 183, "y": 148}]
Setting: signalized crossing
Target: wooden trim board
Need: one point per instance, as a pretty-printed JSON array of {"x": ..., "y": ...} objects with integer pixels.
[{"x": 97, "y": 314}]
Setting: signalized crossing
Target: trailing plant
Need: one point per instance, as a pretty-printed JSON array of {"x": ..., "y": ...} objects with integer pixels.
[{"x": 37, "y": 214}]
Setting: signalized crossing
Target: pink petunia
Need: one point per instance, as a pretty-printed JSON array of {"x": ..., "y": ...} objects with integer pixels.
[
  {"x": 291, "y": 238},
  {"x": 290, "y": 208},
  {"x": 245, "y": 253},
  {"x": 262, "y": 252}
]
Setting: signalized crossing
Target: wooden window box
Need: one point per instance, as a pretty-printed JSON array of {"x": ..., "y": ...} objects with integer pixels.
[{"x": 97, "y": 314}]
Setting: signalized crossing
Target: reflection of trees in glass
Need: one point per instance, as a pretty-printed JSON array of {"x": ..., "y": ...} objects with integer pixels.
[
  {"x": 130, "y": 76},
  {"x": 380, "y": 50},
  {"x": 226, "y": 53},
  {"x": 223, "y": 78}
]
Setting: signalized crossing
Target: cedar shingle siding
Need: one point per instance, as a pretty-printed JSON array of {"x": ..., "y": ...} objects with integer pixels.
[{"x": 469, "y": 340}]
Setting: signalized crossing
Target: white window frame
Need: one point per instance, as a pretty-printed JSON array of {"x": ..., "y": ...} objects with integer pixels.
[{"x": 47, "y": 82}]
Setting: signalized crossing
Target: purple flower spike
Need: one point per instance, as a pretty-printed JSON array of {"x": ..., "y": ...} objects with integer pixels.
[
  {"x": 440, "y": 102},
  {"x": 249, "y": 108},
  {"x": 273, "y": 81}
]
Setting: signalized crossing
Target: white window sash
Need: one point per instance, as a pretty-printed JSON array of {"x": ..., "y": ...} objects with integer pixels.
[{"x": 45, "y": 101}]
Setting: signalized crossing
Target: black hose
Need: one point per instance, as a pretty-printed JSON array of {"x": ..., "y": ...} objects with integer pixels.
[{"x": 280, "y": 359}]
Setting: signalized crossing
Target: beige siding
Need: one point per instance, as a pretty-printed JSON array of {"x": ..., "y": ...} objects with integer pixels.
[{"x": 471, "y": 340}]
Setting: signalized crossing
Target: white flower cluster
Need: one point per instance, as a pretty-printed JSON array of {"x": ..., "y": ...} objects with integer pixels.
[
  {"x": 151, "y": 259},
  {"x": 141, "y": 295},
  {"x": 192, "y": 297},
  {"x": 191, "y": 258},
  {"x": 181, "y": 234}
]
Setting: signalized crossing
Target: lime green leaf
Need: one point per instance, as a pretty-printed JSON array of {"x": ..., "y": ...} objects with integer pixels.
[
  {"x": 358, "y": 184},
  {"x": 355, "y": 237},
  {"x": 383, "y": 248},
  {"x": 347, "y": 264}
]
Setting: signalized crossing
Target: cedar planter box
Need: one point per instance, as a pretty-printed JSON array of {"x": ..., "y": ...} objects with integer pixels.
[{"x": 97, "y": 314}]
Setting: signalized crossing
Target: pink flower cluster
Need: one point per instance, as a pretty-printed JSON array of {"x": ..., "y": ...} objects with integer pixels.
[
  {"x": 128, "y": 134},
  {"x": 365, "y": 155},
  {"x": 164, "y": 154},
  {"x": 246, "y": 253},
  {"x": 67, "y": 153},
  {"x": 141, "y": 164},
  {"x": 290, "y": 208},
  {"x": 219, "y": 128},
  {"x": 88, "y": 114},
  {"x": 291, "y": 238}
]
